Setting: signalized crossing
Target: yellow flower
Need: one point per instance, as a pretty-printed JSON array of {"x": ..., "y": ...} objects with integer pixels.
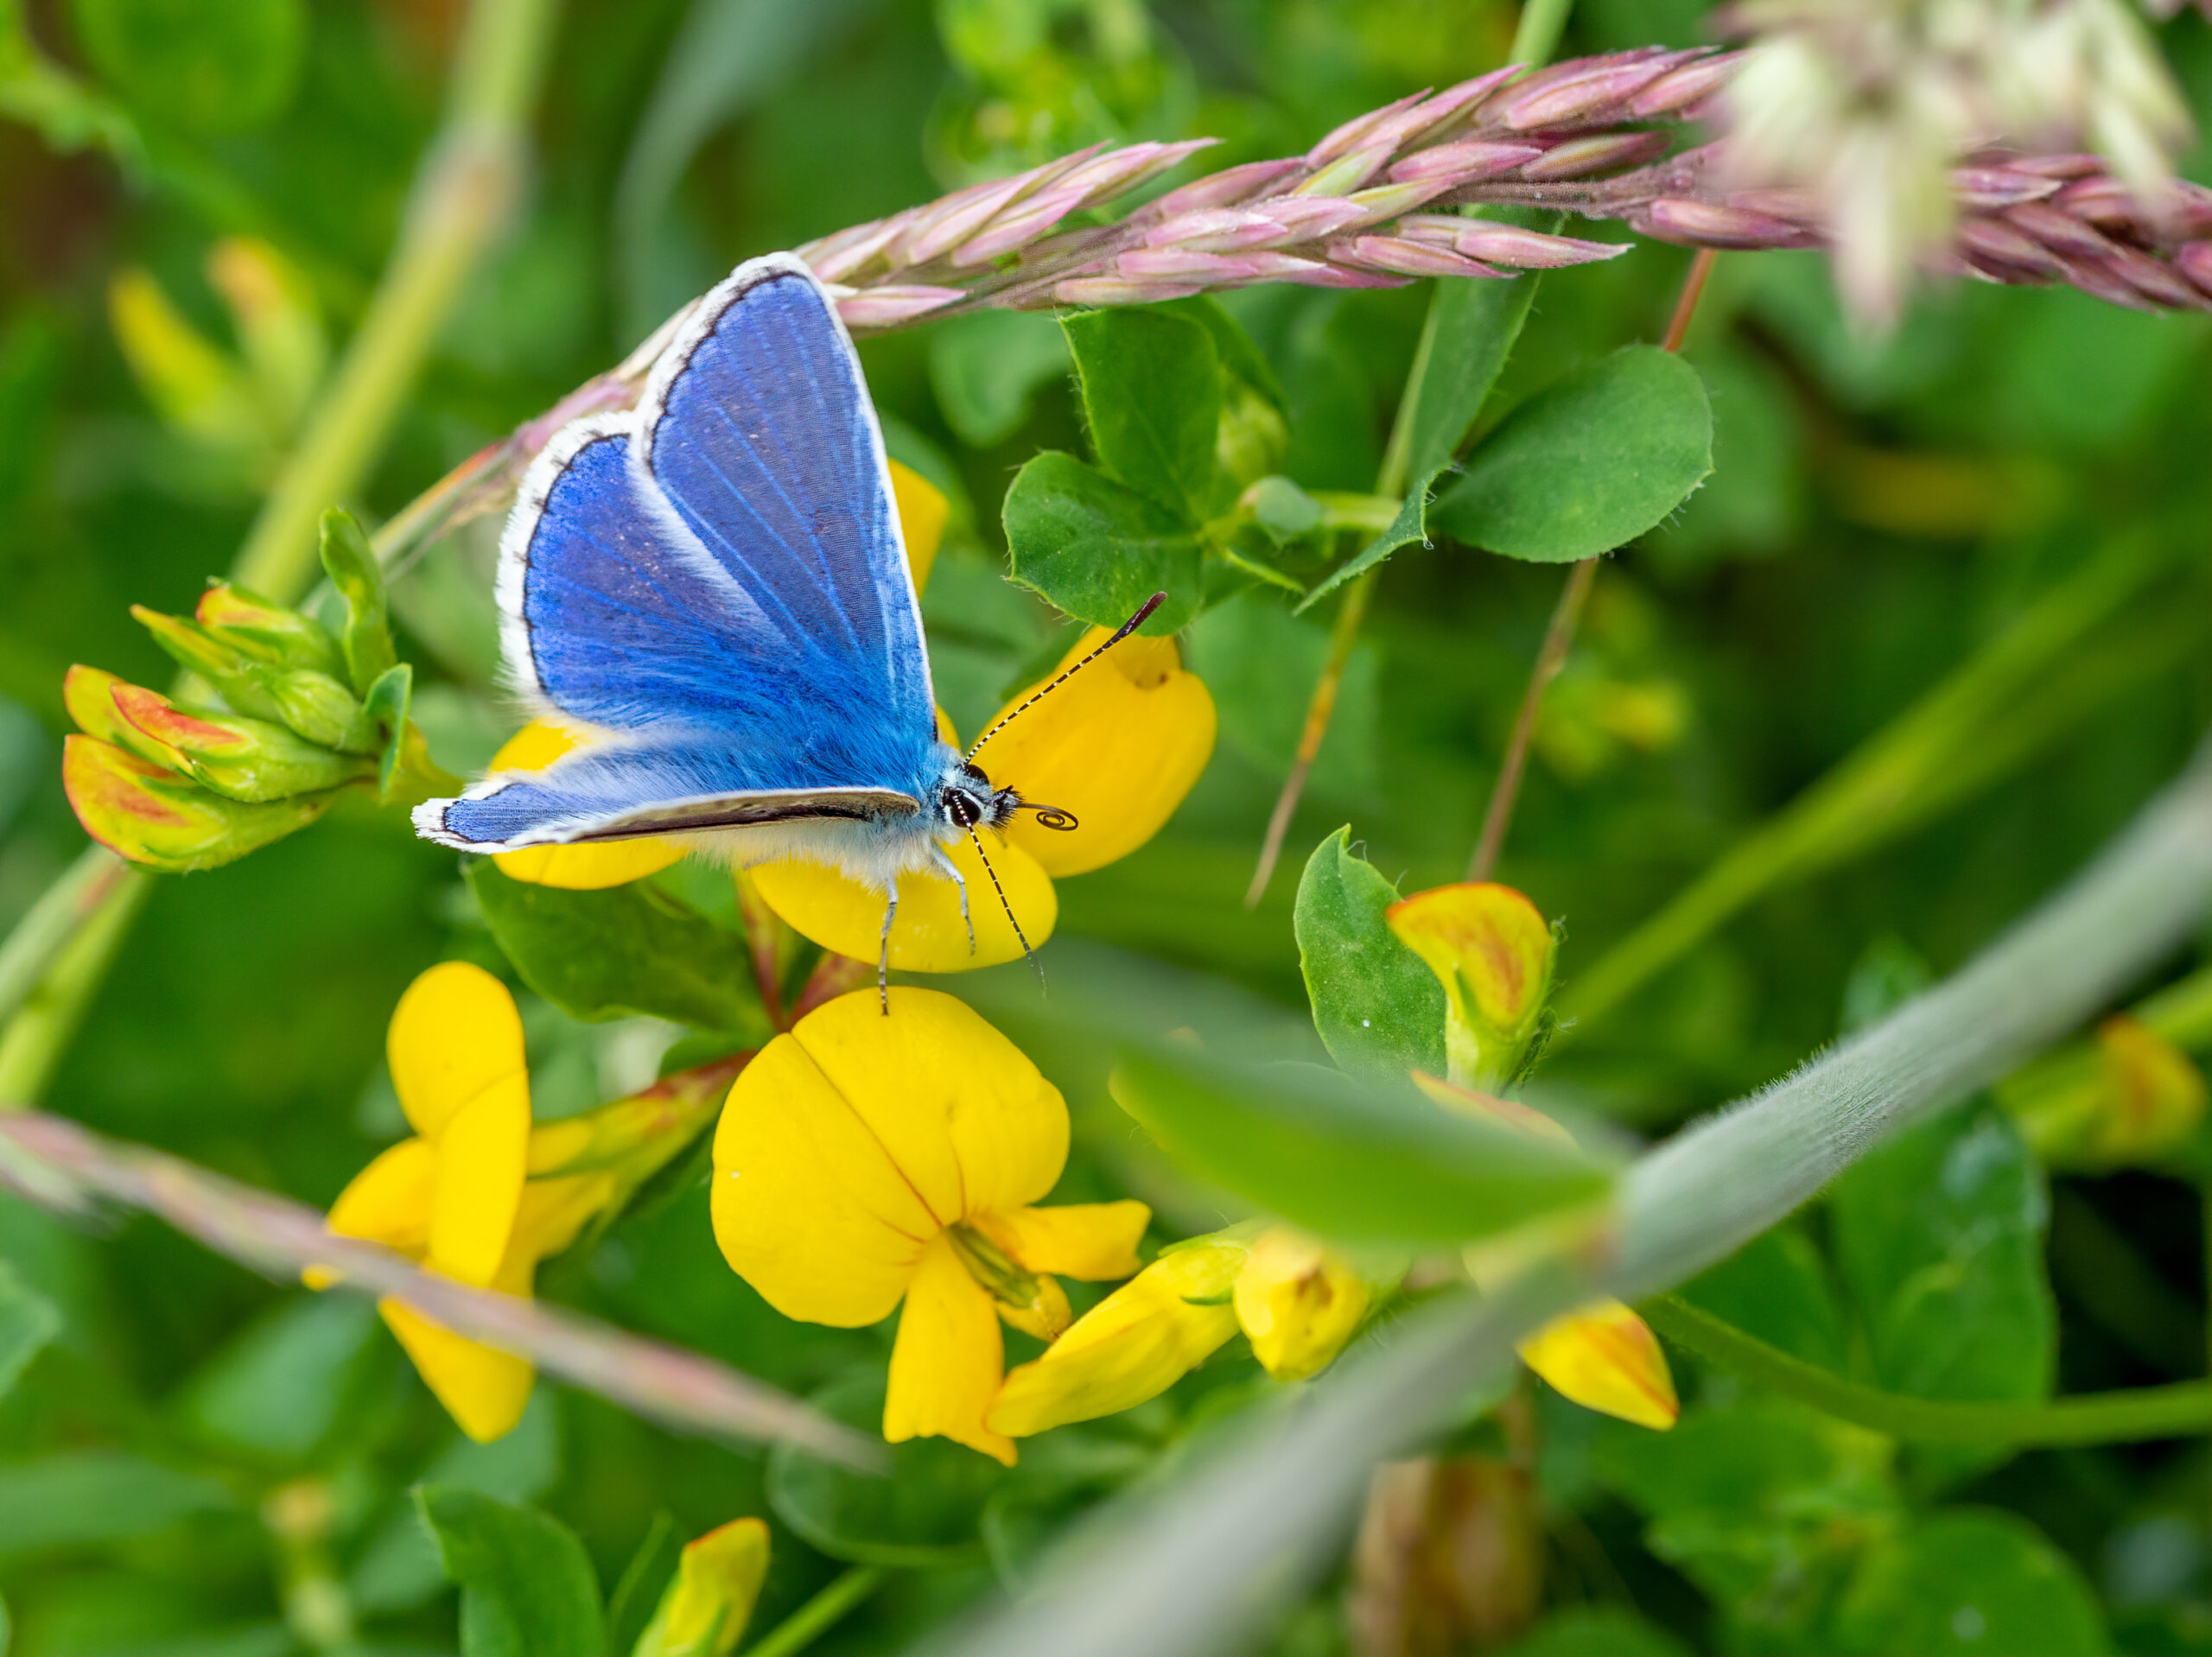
[
  {"x": 479, "y": 1195},
  {"x": 1296, "y": 1300},
  {"x": 704, "y": 1611},
  {"x": 864, "y": 1159},
  {"x": 922, "y": 515},
  {"x": 1117, "y": 747},
  {"x": 1602, "y": 1357},
  {"x": 1492, "y": 951}
]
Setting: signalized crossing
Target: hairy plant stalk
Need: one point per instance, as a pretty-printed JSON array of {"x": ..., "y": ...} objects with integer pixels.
[
  {"x": 1551, "y": 657},
  {"x": 63, "y": 1167},
  {"x": 1196, "y": 1566}
]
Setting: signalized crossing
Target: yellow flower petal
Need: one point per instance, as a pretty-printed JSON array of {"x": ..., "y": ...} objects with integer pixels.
[
  {"x": 2152, "y": 1096},
  {"x": 1298, "y": 1302},
  {"x": 807, "y": 1206},
  {"x": 389, "y": 1201},
  {"x": 454, "y": 1036},
  {"x": 1605, "y": 1358},
  {"x": 922, "y": 515},
  {"x": 1118, "y": 745},
  {"x": 574, "y": 868},
  {"x": 1132, "y": 1345},
  {"x": 550, "y": 1215},
  {"x": 482, "y": 1388},
  {"x": 1489, "y": 945},
  {"x": 970, "y": 1122},
  {"x": 947, "y": 1359},
  {"x": 482, "y": 1156},
  {"x": 1092, "y": 1240},
  {"x": 844, "y": 915}
]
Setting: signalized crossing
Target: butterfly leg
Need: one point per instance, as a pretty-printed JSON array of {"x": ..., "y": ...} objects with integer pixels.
[
  {"x": 883, "y": 959},
  {"x": 952, "y": 873}
]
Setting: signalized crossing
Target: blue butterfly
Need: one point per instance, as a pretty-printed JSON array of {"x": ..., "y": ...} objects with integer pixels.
[{"x": 713, "y": 587}]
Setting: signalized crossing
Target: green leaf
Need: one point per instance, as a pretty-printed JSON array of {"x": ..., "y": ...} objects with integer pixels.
[
  {"x": 925, "y": 1515},
  {"x": 1593, "y": 1630},
  {"x": 1377, "y": 1006},
  {"x": 631, "y": 949},
  {"x": 1284, "y": 510},
  {"x": 1968, "y": 1581},
  {"x": 1939, "y": 1240},
  {"x": 78, "y": 1498},
  {"x": 28, "y": 1322},
  {"x": 1471, "y": 332},
  {"x": 985, "y": 368},
  {"x": 222, "y": 68},
  {"x": 1097, "y": 550},
  {"x": 526, "y": 1584},
  {"x": 278, "y": 1389},
  {"x": 1410, "y": 525},
  {"x": 1777, "y": 1288},
  {"x": 1587, "y": 464},
  {"x": 1762, "y": 1505},
  {"x": 1361, "y": 1160},
  {"x": 365, "y": 638},
  {"x": 1151, "y": 389}
]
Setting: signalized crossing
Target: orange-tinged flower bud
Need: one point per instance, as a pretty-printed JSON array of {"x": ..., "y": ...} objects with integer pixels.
[
  {"x": 708, "y": 1603},
  {"x": 246, "y": 760},
  {"x": 266, "y": 631},
  {"x": 922, "y": 511},
  {"x": 1492, "y": 951},
  {"x": 1117, "y": 747},
  {"x": 1605, "y": 1358},
  {"x": 1132, "y": 1345},
  {"x": 2153, "y": 1095},
  {"x": 1298, "y": 1302},
  {"x": 929, "y": 934},
  {"x": 88, "y": 695},
  {"x": 574, "y": 868},
  {"x": 160, "y": 820}
]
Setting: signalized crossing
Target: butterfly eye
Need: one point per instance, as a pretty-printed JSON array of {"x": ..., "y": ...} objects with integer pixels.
[{"x": 962, "y": 807}]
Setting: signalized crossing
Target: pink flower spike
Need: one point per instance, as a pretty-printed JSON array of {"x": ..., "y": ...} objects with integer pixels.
[
  {"x": 1397, "y": 255},
  {"x": 2156, "y": 280},
  {"x": 1984, "y": 189},
  {"x": 1452, "y": 105},
  {"x": 1701, "y": 224},
  {"x": 1217, "y": 230},
  {"x": 2194, "y": 262},
  {"x": 1392, "y": 200},
  {"x": 1337, "y": 276},
  {"x": 1345, "y": 174},
  {"x": 1354, "y": 133},
  {"x": 2076, "y": 165},
  {"x": 1598, "y": 153},
  {"x": 1122, "y": 170},
  {"x": 1791, "y": 201},
  {"x": 884, "y": 307},
  {"x": 2096, "y": 277},
  {"x": 1307, "y": 217},
  {"x": 946, "y": 230},
  {"x": 1225, "y": 188},
  {"x": 1528, "y": 250},
  {"x": 1180, "y": 262},
  {"x": 1017, "y": 229},
  {"x": 1993, "y": 240},
  {"x": 2062, "y": 232},
  {"x": 1114, "y": 290},
  {"x": 1267, "y": 266},
  {"x": 857, "y": 255},
  {"x": 1471, "y": 160},
  {"x": 1685, "y": 88},
  {"x": 1572, "y": 93}
]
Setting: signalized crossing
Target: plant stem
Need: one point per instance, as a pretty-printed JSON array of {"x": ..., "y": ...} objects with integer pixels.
[
  {"x": 63, "y": 1167},
  {"x": 460, "y": 204},
  {"x": 802, "y": 1627},
  {"x": 2125, "y": 1416},
  {"x": 1559, "y": 636},
  {"x": 1319, "y": 710},
  {"x": 1550, "y": 658},
  {"x": 1536, "y": 36}
]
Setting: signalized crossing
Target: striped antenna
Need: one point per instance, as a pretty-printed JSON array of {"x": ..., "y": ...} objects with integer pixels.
[
  {"x": 1143, "y": 614},
  {"x": 1020, "y": 936}
]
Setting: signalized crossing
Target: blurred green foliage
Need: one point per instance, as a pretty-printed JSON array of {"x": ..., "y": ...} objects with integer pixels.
[{"x": 1877, "y": 513}]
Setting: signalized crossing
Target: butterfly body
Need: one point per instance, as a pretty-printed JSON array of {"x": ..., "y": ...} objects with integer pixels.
[{"x": 710, "y": 592}]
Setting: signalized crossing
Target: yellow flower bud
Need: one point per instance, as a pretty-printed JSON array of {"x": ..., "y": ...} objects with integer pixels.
[
  {"x": 1492, "y": 951},
  {"x": 1605, "y": 1358},
  {"x": 1298, "y": 1302},
  {"x": 705, "y": 1610}
]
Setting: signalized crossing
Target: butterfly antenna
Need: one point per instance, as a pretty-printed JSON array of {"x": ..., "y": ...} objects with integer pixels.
[
  {"x": 1143, "y": 615},
  {"x": 1020, "y": 936}
]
